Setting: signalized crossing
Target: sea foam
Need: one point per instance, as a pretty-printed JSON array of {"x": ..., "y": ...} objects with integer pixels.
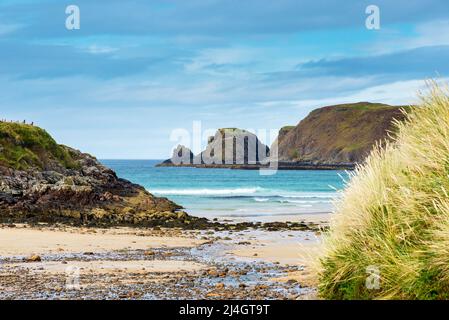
[{"x": 213, "y": 192}]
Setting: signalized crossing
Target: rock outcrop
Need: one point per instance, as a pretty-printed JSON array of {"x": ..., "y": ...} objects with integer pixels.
[
  {"x": 181, "y": 155},
  {"x": 337, "y": 135},
  {"x": 42, "y": 181},
  {"x": 229, "y": 147}
]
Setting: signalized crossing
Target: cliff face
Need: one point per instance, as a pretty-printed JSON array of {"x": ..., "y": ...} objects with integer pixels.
[
  {"x": 228, "y": 147},
  {"x": 41, "y": 181},
  {"x": 283, "y": 132},
  {"x": 338, "y": 134}
]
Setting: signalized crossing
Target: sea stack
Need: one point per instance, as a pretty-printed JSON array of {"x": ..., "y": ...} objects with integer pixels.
[{"x": 229, "y": 147}]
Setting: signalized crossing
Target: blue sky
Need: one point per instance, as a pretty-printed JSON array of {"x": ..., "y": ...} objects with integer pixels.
[{"x": 138, "y": 69}]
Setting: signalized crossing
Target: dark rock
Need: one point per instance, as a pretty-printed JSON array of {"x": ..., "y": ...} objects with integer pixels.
[{"x": 230, "y": 147}]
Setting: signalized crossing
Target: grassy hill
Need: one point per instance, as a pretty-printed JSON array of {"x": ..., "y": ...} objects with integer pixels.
[
  {"x": 23, "y": 146},
  {"x": 338, "y": 134},
  {"x": 392, "y": 224}
]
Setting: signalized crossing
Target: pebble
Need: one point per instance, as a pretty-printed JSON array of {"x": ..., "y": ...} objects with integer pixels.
[
  {"x": 261, "y": 287},
  {"x": 220, "y": 285},
  {"x": 212, "y": 273},
  {"x": 34, "y": 258},
  {"x": 212, "y": 295}
]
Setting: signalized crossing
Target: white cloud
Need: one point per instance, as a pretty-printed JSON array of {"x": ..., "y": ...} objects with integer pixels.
[
  {"x": 395, "y": 93},
  {"x": 434, "y": 33},
  {"x": 217, "y": 57},
  {"x": 96, "y": 49},
  {"x": 8, "y": 28}
]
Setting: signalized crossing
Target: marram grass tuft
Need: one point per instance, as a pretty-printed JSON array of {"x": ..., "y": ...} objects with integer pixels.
[{"x": 394, "y": 215}]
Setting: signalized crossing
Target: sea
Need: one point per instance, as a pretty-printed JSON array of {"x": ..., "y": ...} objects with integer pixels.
[{"x": 244, "y": 194}]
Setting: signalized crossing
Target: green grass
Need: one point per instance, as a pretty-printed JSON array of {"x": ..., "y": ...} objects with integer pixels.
[
  {"x": 368, "y": 106},
  {"x": 394, "y": 215},
  {"x": 293, "y": 154},
  {"x": 363, "y": 106},
  {"x": 232, "y": 130},
  {"x": 24, "y": 146},
  {"x": 352, "y": 147}
]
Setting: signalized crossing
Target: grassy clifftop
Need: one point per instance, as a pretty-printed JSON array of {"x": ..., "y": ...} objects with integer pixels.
[
  {"x": 338, "y": 134},
  {"x": 23, "y": 146},
  {"x": 390, "y": 234}
]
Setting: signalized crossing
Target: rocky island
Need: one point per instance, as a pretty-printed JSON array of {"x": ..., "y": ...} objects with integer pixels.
[
  {"x": 329, "y": 138},
  {"x": 228, "y": 148}
]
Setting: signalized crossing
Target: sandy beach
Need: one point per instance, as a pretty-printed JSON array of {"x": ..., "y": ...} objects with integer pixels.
[
  {"x": 22, "y": 240},
  {"x": 37, "y": 262}
]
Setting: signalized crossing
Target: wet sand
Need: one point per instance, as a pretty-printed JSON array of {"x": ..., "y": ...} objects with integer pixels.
[
  {"x": 321, "y": 218},
  {"x": 108, "y": 266},
  {"x": 127, "y": 263},
  {"x": 23, "y": 241}
]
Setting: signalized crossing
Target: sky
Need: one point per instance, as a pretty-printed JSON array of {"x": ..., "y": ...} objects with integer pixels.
[{"x": 136, "y": 70}]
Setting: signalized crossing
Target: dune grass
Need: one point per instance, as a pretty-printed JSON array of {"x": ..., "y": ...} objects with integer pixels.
[{"x": 394, "y": 215}]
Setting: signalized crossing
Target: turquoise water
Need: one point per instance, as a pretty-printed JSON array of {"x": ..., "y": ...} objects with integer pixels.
[{"x": 235, "y": 193}]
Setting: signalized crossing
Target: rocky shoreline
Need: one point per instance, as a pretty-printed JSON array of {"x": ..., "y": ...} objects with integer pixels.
[
  {"x": 42, "y": 181},
  {"x": 90, "y": 195},
  {"x": 94, "y": 196}
]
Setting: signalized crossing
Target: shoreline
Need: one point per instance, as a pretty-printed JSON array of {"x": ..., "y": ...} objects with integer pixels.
[
  {"x": 141, "y": 263},
  {"x": 279, "y": 166}
]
